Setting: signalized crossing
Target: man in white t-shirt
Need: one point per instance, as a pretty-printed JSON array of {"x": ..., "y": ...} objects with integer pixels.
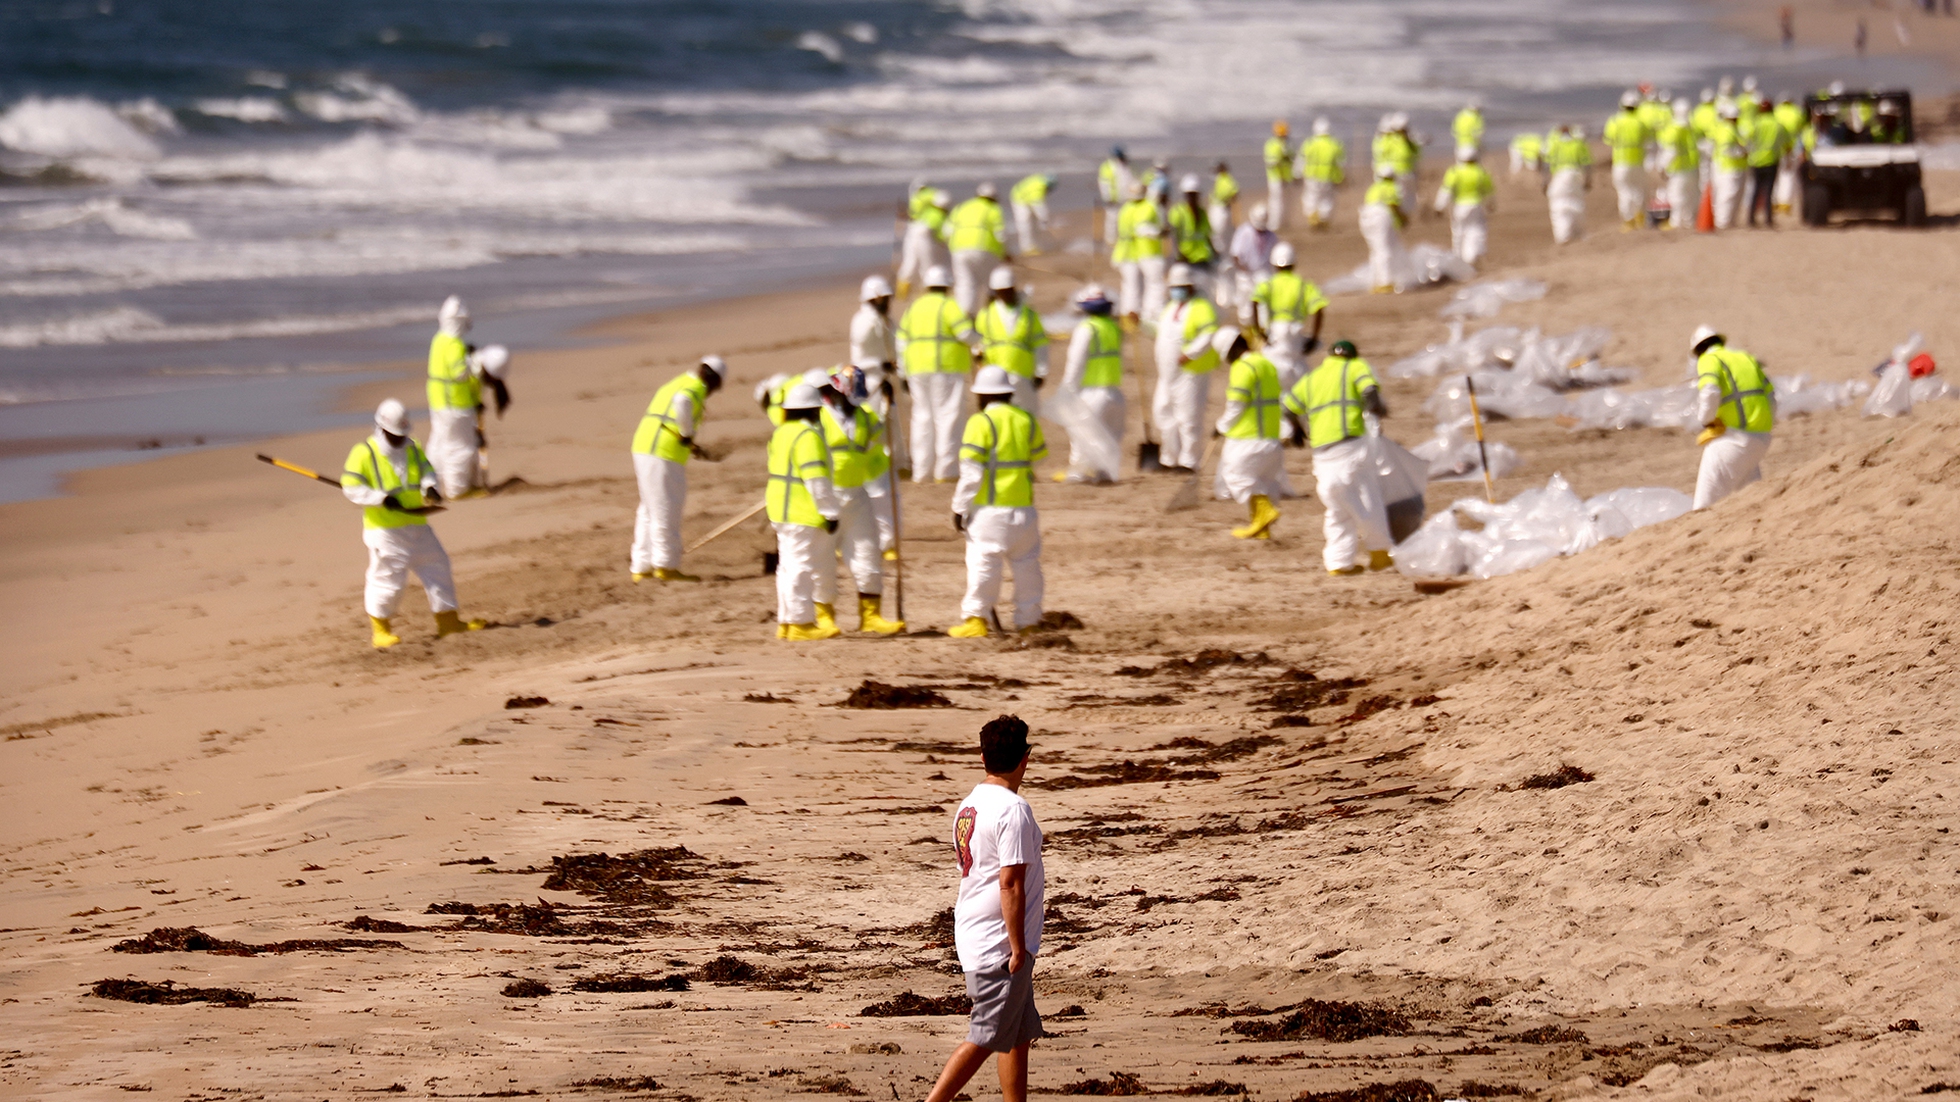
[{"x": 997, "y": 921}]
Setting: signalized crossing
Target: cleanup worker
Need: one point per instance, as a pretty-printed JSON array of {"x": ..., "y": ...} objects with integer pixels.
[
  {"x": 1327, "y": 407},
  {"x": 1527, "y": 152},
  {"x": 935, "y": 339},
  {"x": 803, "y": 508},
  {"x": 662, "y": 445},
  {"x": 1113, "y": 181},
  {"x": 859, "y": 463},
  {"x": 1223, "y": 206},
  {"x": 1251, "y": 261},
  {"x": 1323, "y": 168},
  {"x": 1395, "y": 148},
  {"x": 1794, "y": 121},
  {"x": 1014, "y": 338},
  {"x": 393, "y": 480},
  {"x": 1767, "y": 143},
  {"x": 1139, "y": 256},
  {"x": 925, "y": 243},
  {"x": 994, "y": 506},
  {"x": 1382, "y": 219},
  {"x": 874, "y": 352},
  {"x": 1185, "y": 361},
  {"x": 1190, "y": 235},
  {"x": 457, "y": 375},
  {"x": 1736, "y": 405},
  {"x": 1282, "y": 306},
  {"x": 1731, "y": 156},
  {"x": 1570, "y": 162},
  {"x": 1094, "y": 370},
  {"x": 1252, "y": 463},
  {"x": 976, "y": 233},
  {"x": 1681, "y": 160},
  {"x": 1627, "y": 135},
  {"x": 1468, "y": 193},
  {"x": 1279, "y": 173},
  {"x": 1468, "y": 126},
  {"x": 769, "y": 396},
  {"x": 1705, "y": 118},
  {"x": 1029, "y": 198},
  {"x": 1656, "y": 114}
]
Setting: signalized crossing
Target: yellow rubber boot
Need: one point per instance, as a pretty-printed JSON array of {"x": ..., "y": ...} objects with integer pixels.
[
  {"x": 1262, "y": 516},
  {"x": 384, "y": 633},
  {"x": 782, "y": 631},
  {"x": 891, "y": 554},
  {"x": 1380, "y": 560},
  {"x": 869, "y": 620},
  {"x": 798, "y": 633},
  {"x": 1347, "y": 570},
  {"x": 661, "y": 573},
  {"x": 448, "y": 623},
  {"x": 827, "y": 617},
  {"x": 639, "y": 577},
  {"x": 973, "y": 627}
]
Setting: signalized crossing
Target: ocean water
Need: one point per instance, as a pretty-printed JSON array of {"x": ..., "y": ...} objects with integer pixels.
[{"x": 192, "y": 191}]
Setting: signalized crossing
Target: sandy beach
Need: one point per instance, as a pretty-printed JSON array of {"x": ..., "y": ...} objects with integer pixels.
[{"x": 626, "y": 843}]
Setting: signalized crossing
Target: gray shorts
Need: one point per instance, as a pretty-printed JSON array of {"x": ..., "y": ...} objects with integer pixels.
[{"x": 1004, "y": 1017}]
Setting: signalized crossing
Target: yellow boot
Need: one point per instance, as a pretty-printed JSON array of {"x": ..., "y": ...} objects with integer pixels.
[
  {"x": 1355, "y": 568},
  {"x": 869, "y": 620},
  {"x": 891, "y": 554},
  {"x": 797, "y": 633},
  {"x": 827, "y": 617},
  {"x": 782, "y": 631},
  {"x": 639, "y": 577},
  {"x": 1262, "y": 516},
  {"x": 973, "y": 627},
  {"x": 1380, "y": 560},
  {"x": 661, "y": 573},
  {"x": 384, "y": 634},
  {"x": 448, "y": 623}
]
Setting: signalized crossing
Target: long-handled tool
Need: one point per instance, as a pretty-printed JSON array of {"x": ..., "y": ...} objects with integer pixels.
[
  {"x": 417, "y": 511},
  {"x": 1187, "y": 495},
  {"x": 1483, "y": 454},
  {"x": 719, "y": 532}
]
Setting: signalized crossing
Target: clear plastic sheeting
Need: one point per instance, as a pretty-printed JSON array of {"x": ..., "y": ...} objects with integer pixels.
[
  {"x": 1500, "y": 393},
  {"x": 1531, "y": 528},
  {"x": 1892, "y": 397},
  {"x": 1796, "y": 395},
  {"x": 1415, "y": 266},
  {"x": 1557, "y": 362},
  {"x": 1671, "y": 407},
  {"x": 1100, "y": 450},
  {"x": 1493, "y": 347},
  {"x": 1485, "y": 298},
  {"x": 1453, "y": 455}
]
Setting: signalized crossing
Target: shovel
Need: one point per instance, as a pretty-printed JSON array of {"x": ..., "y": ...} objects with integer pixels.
[
  {"x": 414, "y": 511},
  {"x": 1187, "y": 495}
]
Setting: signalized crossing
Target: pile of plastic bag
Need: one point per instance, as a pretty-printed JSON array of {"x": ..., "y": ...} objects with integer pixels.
[
  {"x": 1532, "y": 528},
  {"x": 1412, "y": 267},
  {"x": 1906, "y": 378},
  {"x": 1485, "y": 298},
  {"x": 1453, "y": 454},
  {"x": 1508, "y": 357},
  {"x": 1086, "y": 433}
]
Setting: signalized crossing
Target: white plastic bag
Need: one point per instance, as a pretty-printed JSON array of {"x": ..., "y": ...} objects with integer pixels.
[
  {"x": 1485, "y": 298},
  {"x": 1415, "y": 266},
  {"x": 1892, "y": 397},
  {"x": 1403, "y": 477},
  {"x": 1453, "y": 455},
  {"x": 1085, "y": 431},
  {"x": 1643, "y": 505},
  {"x": 1435, "y": 550}
]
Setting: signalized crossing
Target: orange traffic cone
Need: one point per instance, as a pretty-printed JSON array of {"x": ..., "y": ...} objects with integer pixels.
[{"x": 1705, "y": 217}]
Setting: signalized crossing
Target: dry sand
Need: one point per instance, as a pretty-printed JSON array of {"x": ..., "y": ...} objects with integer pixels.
[{"x": 1752, "y": 889}]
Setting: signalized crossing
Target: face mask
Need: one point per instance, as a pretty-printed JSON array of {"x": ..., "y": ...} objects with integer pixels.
[{"x": 1179, "y": 294}]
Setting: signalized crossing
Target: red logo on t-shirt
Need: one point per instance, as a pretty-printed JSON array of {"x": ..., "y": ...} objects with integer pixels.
[{"x": 963, "y": 838}]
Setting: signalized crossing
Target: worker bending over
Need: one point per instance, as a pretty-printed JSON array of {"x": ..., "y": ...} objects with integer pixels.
[
  {"x": 1094, "y": 371},
  {"x": 976, "y": 233},
  {"x": 1627, "y": 135},
  {"x": 1282, "y": 305},
  {"x": 925, "y": 238},
  {"x": 1468, "y": 193},
  {"x": 994, "y": 506},
  {"x": 935, "y": 339},
  {"x": 859, "y": 465},
  {"x": 1382, "y": 219},
  {"x": 662, "y": 445},
  {"x": 458, "y": 372},
  {"x": 1252, "y": 464},
  {"x": 1736, "y": 404},
  {"x": 1029, "y": 198},
  {"x": 1185, "y": 361},
  {"x": 1014, "y": 338},
  {"x": 1327, "y": 406},
  {"x": 1139, "y": 256},
  {"x": 392, "y": 479},
  {"x": 1323, "y": 168},
  {"x": 803, "y": 508},
  {"x": 1279, "y": 173}
]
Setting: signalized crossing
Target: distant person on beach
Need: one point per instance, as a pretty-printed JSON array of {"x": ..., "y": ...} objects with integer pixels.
[
  {"x": 1858, "y": 36},
  {"x": 1527, "y": 152},
  {"x": 1252, "y": 461},
  {"x": 1681, "y": 161},
  {"x": 1029, "y": 200},
  {"x": 1786, "y": 25},
  {"x": 803, "y": 509},
  {"x": 1736, "y": 405},
  {"x": 1382, "y": 220},
  {"x": 1328, "y": 406},
  {"x": 1282, "y": 306},
  {"x": 1627, "y": 135},
  {"x": 1190, "y": 236},
  {"x": 874, "y": 351},
  {"x": 860, "y": 473},
  {"x": 458, "y": 375},
  {"x": 1094, "y": 371},
  {"x": 1250, "y": 260},
  {"x": 1468, "y": 194},
  {"x": 662, "y": 445},
  {"x": 1279, "y": 173},
  {"x": 993, "y": 505},
  {"x": 998, "y": 917},
  {"x": 1731, "y": 156},
  {"x": 1224, "y": 202},
  {"x": 1185, "y": 362},
  {"x": 925, "y": 244},
  {"x": 976, "y": 232},
  {"x": 1395, "y": 148},
  {"x": 1113, "y": 180},
  {"x": 1766, "y": 143},
  {"x": 391, "y": 478},
  {"x": 1323, "y": 168},
  {"x": 1139, "y": 257},
  {"x": 935, "y": 339},
  {"x": 1013, "y": 338},
  {"x": 1569, "y": 161}
]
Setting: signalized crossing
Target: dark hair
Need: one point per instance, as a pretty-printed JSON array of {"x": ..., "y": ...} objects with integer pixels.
[{"x": 1004, "y": 744}]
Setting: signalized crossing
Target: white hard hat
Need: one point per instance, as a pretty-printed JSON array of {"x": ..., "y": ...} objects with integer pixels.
[
  {"x": 1683, "y": 110},
  {"x": 942, "y": 198},
  {"x": 1181, "y": 275},
  {"x": 874, "y": 286},
  {"x": 802, "y": 396},
  {"x": 1401, "y": 120},
  {"x": 1708, "y": 95},
  {"x": 1466, "y": 152},
  {"x": 454, "y": 317},
  {"x": 392, "y": 416},
  {"x": 1223, "y": 340},
  {"x": 992, "y": 379},
  {"x": 817, "y": 377},
  {"x": 1728, "y": 111},
  {"x": 1629, "y": 98},
  {"x": 763, "y": 388},
  {"x": 1387, "y": 124},
  {"x": 1283, "y": 255},
  {"x": 1002, "y": 279},
  {"x": 1258, "y": 217},
  {"x": 1091, "y": 294},
  {"x": 1384, "y": 171},
  {"x": 986, "y": 190},
  {"x": 1702, "y": 333},
  {"x": 1188, "y": 185},
  {"x": 1749, "y": 83},
  {"x": 717, "y": 365},
  {"x": 938, "y": 276},
  {"x": 493, "y": 358},
  {"x": 1322, "y": 128}
]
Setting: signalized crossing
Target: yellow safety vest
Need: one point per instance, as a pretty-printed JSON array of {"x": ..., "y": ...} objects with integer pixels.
[
  {"x": 660, "y": 431},
  {"x": 1031, "y": 190},
  {"x": 1200, "y": 318},
  {"x": 452, "y": 385},
  {"x": 1397, "y": 150},
  {"x": 1006, "y": 441},
  {"x": 1569, "y": 152},
  {"x": 1529, "y": 148},
  {"x": 1730, "y": 153},
  {"x": 976, "y": 224},
  {"x": 1012, "y": 335},
  {"x": 1192, "y": 231},
  {"x": 1679, "y": 140},
  {"x": 1133, "y": 240},
  {"x": 857, "y": 453},
  {"x": 1329, "y": 397},
  {"x": 1655, "y": 116},
  {"x": 1746, "y": 389},
  {"x": 1704, "y": 119},
  {"x": 1468, "y": 127},
  {"x": 1468, "y": 183},
  {"x": 1767, "y": 141},
  {"x": 1107, "y": 175},
  {"x": 1790, "y": 117},
  {"x": 932, "y": 336},
  {"x": 1322, "y": 159},
  {"x": 796, "y": 454},
  {"x": 1255, "y": 383},
  {"x": 1279, "y": 159},
  {"x": 365, "y": 467},
  {"x": 920, "y": 203},
  {"x": 1628, "y": 137},
  {"x": 1384, "y": 193},
  {"x": 1288, "y": 297},
  {"x": 1104, "y": 364},
  {"x": 1224, "y": 189}
]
